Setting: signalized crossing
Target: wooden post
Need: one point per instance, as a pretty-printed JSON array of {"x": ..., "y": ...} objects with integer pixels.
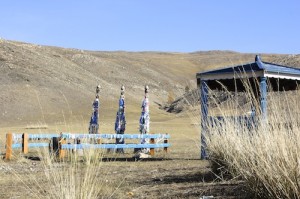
[
  {"x": 61, "y": 152},
  {"x": 204, "y": 117},
  {"x": 25, "y": 143},
  {"x": 263, "y": 97},
  {"x": 152, "y": 141},
  {"x": 9, "y": 141},
  {"x": 166, "y": 142},
  {"x": 54, "y": 146}
]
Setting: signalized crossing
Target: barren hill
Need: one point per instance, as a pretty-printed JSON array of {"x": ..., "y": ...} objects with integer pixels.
[{"x": 51, "y": 84}]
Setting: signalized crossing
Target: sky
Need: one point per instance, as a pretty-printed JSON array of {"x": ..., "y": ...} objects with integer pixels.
[{"x": 249, "y": 26}]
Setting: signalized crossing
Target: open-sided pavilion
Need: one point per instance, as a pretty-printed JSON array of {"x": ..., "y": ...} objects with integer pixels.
[{"x": 279, "y": 77}]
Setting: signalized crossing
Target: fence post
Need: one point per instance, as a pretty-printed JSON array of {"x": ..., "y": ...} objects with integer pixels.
[
  {"x": 61, "y": 152},
  {"x": 166, "y": 142},
  {"x": 54, "y": 146},
  {"x": 25, "y": 143},
  {"x": 9, "y": 141},
  {"x": 152, "y": 141}
]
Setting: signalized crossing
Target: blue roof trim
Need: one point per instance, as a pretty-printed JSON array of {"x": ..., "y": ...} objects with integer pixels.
[
  {"x": 258, "y": 65},
  {"x": 270, "y": 67},
  {"x": 240, "y": 68}
]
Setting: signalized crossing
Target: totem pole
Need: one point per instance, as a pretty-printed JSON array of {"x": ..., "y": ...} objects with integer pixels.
[
  {"x": 145, "y": 117},
  {"x": 120, "y": 123},
  {"x": 94, "y": 122}
]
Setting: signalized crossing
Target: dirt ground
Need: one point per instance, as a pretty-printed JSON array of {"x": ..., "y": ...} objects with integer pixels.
[
  {"x": 155, "y": 178},
  {"x": 180, "y": 178},
  {"x": 178, "y": 174}
]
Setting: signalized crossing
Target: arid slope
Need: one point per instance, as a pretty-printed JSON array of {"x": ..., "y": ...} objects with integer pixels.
[{"x": 50, "y": 84}]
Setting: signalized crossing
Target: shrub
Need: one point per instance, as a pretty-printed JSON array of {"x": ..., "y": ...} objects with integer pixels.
[{"x": 266, "y": 154}]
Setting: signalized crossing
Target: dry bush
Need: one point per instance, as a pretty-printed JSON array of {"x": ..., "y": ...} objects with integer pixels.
[
  {"x": 80, "y": 176},
  {"x": 265, "y": 154},
  {"x": 76, "y": 177}
]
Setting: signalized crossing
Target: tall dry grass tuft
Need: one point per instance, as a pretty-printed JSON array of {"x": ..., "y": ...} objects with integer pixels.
[
  {"x": 81, "y": 175},
  {"x": 78, "y": 177},
  {"x": 265, "y": 154}
]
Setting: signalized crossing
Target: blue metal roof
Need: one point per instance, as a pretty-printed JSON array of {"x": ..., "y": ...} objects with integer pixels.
[
  {"x": 266, "y": 69},
  {"x": 270, "y": 67},
  {"x": 240, "y": 68}
]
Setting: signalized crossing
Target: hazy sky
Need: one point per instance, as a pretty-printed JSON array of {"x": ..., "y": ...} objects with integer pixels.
[{"x": 258, "y": 26}]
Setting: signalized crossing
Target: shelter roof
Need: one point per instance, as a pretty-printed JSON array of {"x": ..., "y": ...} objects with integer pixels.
[{"x": 254, "y": 69}]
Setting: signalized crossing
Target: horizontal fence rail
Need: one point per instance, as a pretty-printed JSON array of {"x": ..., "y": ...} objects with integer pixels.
[
  {"x": 114, "y": 136},
  {"x": 112, "y": 146},
  {"x": 42, "y": 136},
  {"x": 31, "y": 145}
]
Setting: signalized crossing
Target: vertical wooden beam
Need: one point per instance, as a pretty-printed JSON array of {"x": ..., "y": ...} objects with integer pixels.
[
  {"x": 61, "y": 152},
  {"x": 204, "y": 117},
  {"x": 152, "y": 141},
  {"x": 54, "y": 146},
  {"x": 9, "y": 141},
  {"x": 25, "y": 143},
  {"x": 263, "y": 97},
  {"x": 166, "y": 142}
]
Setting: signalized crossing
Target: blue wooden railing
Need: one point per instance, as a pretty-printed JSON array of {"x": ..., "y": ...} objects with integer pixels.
[
  {"x": 244, "y": 120},
  {"x": 26, "y": 141}
]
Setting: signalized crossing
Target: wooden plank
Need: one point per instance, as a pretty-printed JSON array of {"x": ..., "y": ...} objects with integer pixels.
[
  {"x": 31, "y": 145},
  {"x": 263, "y": 98},
  {"x": 17, "y": 136},
  {"x": 166, "y": 148},
  {"x": 38, "y": 145},
  {"x": 25, "y": 143},
  {"x": 152, "y": 141},
  {"x": 54, "y": 146},
  {"x": 112, "y": 146},
  {"x": 16, "y": 145},
  {"x": 9, "y": 141},
  {"x": 42, "y": 136},
  {"x": 114, "y": 136},
  {"x": 62, "y": 151},
  {"x": 204, "y": 117}
]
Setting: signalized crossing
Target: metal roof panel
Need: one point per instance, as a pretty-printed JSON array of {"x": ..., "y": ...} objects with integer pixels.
[{"x": 255, "y": 67}]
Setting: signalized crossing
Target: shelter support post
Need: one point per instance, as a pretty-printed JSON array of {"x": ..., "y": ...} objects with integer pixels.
[
  {"x": 263, "y": 97},
  {"x": 204, "y": 117}
]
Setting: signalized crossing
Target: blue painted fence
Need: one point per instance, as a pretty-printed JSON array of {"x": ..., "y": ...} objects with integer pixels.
[
  {"x": 114, "y": 136},
  {"x": 112, "y": 146},
  {"x": 17, "y": 141}
]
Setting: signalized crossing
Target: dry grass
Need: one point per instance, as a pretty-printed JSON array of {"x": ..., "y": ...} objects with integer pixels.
[
  {"x": 178, "y": 174},
  {"x": 71, "y": 178},
  {"x": 265, "y": 155}
]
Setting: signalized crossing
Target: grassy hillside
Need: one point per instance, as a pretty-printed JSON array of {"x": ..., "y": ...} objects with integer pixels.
[{"x": 51, "y": 85}]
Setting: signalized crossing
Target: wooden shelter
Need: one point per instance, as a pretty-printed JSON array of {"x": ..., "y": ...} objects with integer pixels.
[{"x": 277, "y": 76}]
